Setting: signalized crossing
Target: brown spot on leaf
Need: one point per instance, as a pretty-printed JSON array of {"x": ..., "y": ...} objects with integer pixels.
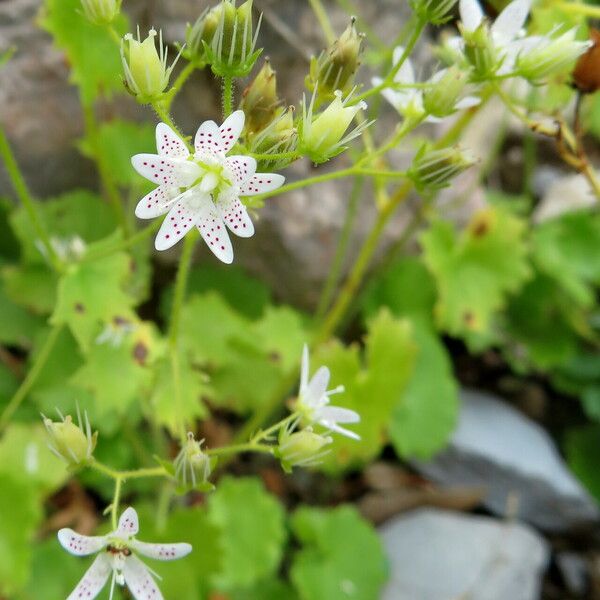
[
  {"x": 140, "y": 353},
  {"x": 79, "y": 307},
  {"x": 120, "y": 321},
  {"x": 469, "y": 318},
  {"x": 275, "y": 357},
  {"x": 480, "y": 229}
]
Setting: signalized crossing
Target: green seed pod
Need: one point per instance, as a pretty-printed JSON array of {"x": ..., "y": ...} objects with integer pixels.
[
  {"x": 193, "y": 467},
  {"x": 259, "y": 100},
  {"x": 480, "y": 51},
  {"x": 301, "y": 449},
  {"x": 101, "y": 12},
  {"x": 440, "y": 99},
  {"x": 436, "y": 12},
  {"x": 74, "y": 444},
  {"x": 200, "y": 33},
  {"x": 434, "y": 169}
]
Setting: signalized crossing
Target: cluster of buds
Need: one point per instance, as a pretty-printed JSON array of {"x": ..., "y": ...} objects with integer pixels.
[
  {"x": 146, "y": 72},
  {"x": 433, "y": 169},
  {"x": 224, "y": 38},
  {"x": 101, "y": 12},
  {"x": 324, "y": 136},
  {"x": 436, "y": 12},
  {"x": 193, "y": 466},
  {"x": 336, "y": 66},
  {"x": 72, "y": 443}
]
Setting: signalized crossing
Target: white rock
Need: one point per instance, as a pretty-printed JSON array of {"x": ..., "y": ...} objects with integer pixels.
[
  {"x": 439, "y": 555},
  {"x": 566, "y": 194},
  {"x": 497, "y": 447}
]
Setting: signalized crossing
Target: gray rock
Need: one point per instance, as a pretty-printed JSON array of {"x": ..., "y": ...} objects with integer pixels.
[
  {"x": 439, "y": 555},
  {"x": 497, "y": 447}
]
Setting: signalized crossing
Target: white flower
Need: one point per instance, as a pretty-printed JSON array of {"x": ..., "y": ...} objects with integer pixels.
[
  {"x": 201, "y": 190},
  {"x": 409, "y": 101},
  {"x": 313, "y": 401},
  {"x": 117, "y": 556}
]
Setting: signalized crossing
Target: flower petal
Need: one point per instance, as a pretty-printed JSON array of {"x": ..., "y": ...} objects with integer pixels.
[
  {"x": 214, "y": 233},
  {"x": 139, "y": 581},
  {"x": 163, "y": 170},
  {"x": 337, "y": 414},
  {"x": 305, "y": 369},
  {"x": 471, "y": 14},
  {"x": 231, "y": 129},
  {"x": 161, "y": 551},
  {"x": 235, "y": 215},
  {"x": 179, "y": 221},
  {"x": 93, "y": 580},
  {"x": 208, "y": 138},
  {"x": 168, "y": 143},
  {"x": 406, "y": 73},
  {"x": 467, "y": 102},
  {"x": 341, "y": 430},
  {"x": 128, "y": 523},
  {"x": 154, "y": 204},
  {"x": 242, "y": 167},
  {"x": 80, "y": 545},
  {"x": 261, "y": 183},
  {"x": 317, "y": 386},
  {"x": 510, "y": 21}
]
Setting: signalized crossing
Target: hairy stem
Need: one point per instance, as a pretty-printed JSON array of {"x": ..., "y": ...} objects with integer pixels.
[{"x": 227, "y": 95}]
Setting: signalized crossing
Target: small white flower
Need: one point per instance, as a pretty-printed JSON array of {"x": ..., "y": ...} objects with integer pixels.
[
  {"x": 202, "y": 189},
  {"x": 313, "y": 401},
  {"x": 409, "y": 101},
  {"x": 117, "y": 556}
]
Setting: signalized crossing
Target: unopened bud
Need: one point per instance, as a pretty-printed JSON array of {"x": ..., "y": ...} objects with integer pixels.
[
  {"x": 480, "y": 51},
  {"x": 74, "y": 444},
  {"x": 101, "y": 12},
  {"x": 435, "y": 169},
  {"x": 200, "y": 33},
  {"x": 335, "y": 68},
  {"x": 259, "y": 100},
  {"x": 301, "y": 449},
  {"x": 192, "y": 466},
  {"x": 436, "y": 12},
  {"x": 325, "y": 136},
  {"x": 279, "y": 137},
  {"x": 586, "y": 76},
  {"x": 146, "y": 72},
  {"x": 440, "y": 99}
]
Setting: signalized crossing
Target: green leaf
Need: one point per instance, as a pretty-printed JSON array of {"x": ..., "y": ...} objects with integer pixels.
[
  {"x": 18, "y": 327},
  {"x": 373, "y": 390},
  {"x": 21, "y": 513},
  {"x": 9, "y": 245},
  {"x": 341, "y": 555},
  {"x": 583, "y": 448},
  {"x": 90, "y": 293},
  {"x": 31, "y": 286},
  {"x": 93, "y": 54},
  {"x": 252, "y": 533},
  {"x": 8, "y": 384},
  {"x": 475, "y": 270},
  {"x": 424, "y": 419},
  {"x": 75, "y": 214}
]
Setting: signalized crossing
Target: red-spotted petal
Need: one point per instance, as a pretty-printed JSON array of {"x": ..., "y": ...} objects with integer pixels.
[
  {"x": 215, "y": 234},
  {"x": 154, "y": 204},
  {"x": 208, "y": 138},
  {"x": 161, "y": 551},
  {"x": 128, "y": 523},
  {"x": 94, "y": 579},
  {"x": 231, "y": 129},
  {"x": 261, "y": 183},
  {"x": 139, "y": 581},
  {"x": 242, "y": 167},
  {"x": 163, "y": 170},
  {"x": 80, "y": 545},
  {"x": 179, "y": 221},
  {"x": 235, "y": 215},
  {"x": 168, "y": 143}
]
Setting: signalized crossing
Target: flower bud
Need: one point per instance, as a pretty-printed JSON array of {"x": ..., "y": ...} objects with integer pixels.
[
  {"x": 301, "y": 449},
  {"x": 101, "y": 12},
  {"x": 480, "y": 51},
  {"x": 550, "y": 56},
  {"x": 586, "y": 76},
  {"x": 323, "y": 137},
  {"x": 71, "y": 442},
  {"x": 231, "y": 52},
  {"x": 200, "y": 33},
  {"x": 146, "y": 72},
  {"x": 434, "y": 169},
  {"x": 447, "y": 85},
  {"x": 279, "y": 137},
  {"x": 192, "y": 466},
  {"x": 259, "y": 100},
  {"x": 436, "y": 12},
  {"x": 336, "y": 66}
]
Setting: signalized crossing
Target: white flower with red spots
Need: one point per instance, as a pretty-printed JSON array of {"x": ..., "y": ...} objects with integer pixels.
[
  {"x": 202, "y": 189},
  {"x": 117, "y": 556}
]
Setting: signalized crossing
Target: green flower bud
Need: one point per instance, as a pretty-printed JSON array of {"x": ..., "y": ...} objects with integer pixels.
[
  {"x": 231, "y": 52},
  {"x": 434, "y": 169},
  {"x": 436, "y": 12},
  {"x": 101, "y": 12},
  {"x": 440, "y": 99},
  {"x": 323, "y": 137},
  {"x": 301, "y": 449},
  {"x": 71, "y": 442},
  {"x": 259, "y": 100},
  {"x": 192, "y": 466},
  {"x": 480, "y": 51},
  {"x": 200, "y": 33},
  {"x": 146, "y": 72},
  {"x": 279, "y": 137},
  {"x": 336, "y": 66}
]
